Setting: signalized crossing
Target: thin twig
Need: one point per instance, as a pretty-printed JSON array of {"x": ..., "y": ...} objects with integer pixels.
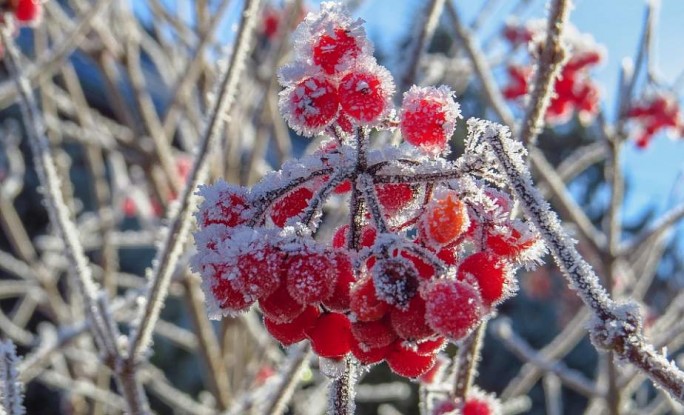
[{"x": 167, "y": 257}]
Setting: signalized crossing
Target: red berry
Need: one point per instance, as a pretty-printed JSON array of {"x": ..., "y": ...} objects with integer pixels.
[
  {"x": 365, "y": 303},
  {"x": 373, "y": 334},
  {"x": 341, "y": 237},
  {"x": 292, "y": 331},
  {"x": 330, "y": 335},
  {"x": 367, "y": 355},
  {"x": 430, "y": 346},
  {"x": 258, "y": 271},
  {"x": 410, "y": 323},
  {"x": 408, "y": 363},
  {"x": 224, "y": 204},
  {"x": 509, "y": 245},
  {"x": 394, "y": 196},
  {"x": 446, "y": 219},
  {"x": 310, "y": 106},
  {"x": 396, "y": 281},
  {"x": 329, "y": 51},
  {"x": 453, "y": 308},
  {"x": 341, "y": 297},
  {"x": 290, "y": 205},
  {"x": 280, "y": 306},
  {"x": 477, "y": 407},
  {"x": 27, "y": 10},
  {"x": 311, "y": 276},
  {"x": 227, "y": 297},
  {"x": 489, "y": 272},
  {"x": 428, "y": 117},
  {"x": 364, "y": 95}
]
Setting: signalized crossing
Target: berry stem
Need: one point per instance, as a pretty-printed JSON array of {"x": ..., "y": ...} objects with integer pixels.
[
  {"x": 466, "y": 362},
  {"x": 341, "y": 395}
]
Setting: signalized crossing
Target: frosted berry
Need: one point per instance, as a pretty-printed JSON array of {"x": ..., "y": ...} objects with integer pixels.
[
  {"x": 428, "y": 117},
  {"x": 280, "y": 306},
  {"x": 453, "y": 308},
  {"x": 489, "y": 272},
  {"x": 367, "y": 355},
  {"x": 310, "y": 106},
  {"x": 395, "y": 280},
  {"x": 431, "y": 345},
  {"x": 341, "y": 298},
  {"x": 406, "y": 362},
  {"x": 290, "y": 205},
  {"x": 224, "y": 204},
  {"x": 374, "y": 334},
  {"x": 331, "y": 49},
  {"x": 394, "y": 196},
  {"x": 258, "y": 271},
  {"x": 311, "y": 276},
  {"x": 365, "y": 302},
  {"x": 365, "y": 95},
  {"x": 341, "y": 237},
  {"x": 330, "y": 335},
  {"x": 410, "y": 323},
  {"x": 227, "y": 297},
  {"x": 446, "y": 219},
  {"x": 509, "y": 243},
  {"x": 292, "y": 331}
]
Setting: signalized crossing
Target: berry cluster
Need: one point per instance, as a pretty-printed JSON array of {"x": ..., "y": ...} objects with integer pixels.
[
  {"x": 25, "y": 12},
  {"x": 656, "y": 112},
  {"x": 574, "y": 89},
  {"x": 430, "y": 245}
]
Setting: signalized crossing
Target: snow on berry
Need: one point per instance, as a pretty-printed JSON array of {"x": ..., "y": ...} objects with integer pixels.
[
  {"x": 224, "y": 298},
  {"x": 224, "y": 203},
  {"x": 366, "y": 92},
  {"x": 311, "y": 275},
  {"x": 330, "y": 39},
  {"x": 453, "y": 308},
  {"x": 395, "y": 280},
  {"x": 428, "y": 118},
  {"x": 310, "y": 105}
]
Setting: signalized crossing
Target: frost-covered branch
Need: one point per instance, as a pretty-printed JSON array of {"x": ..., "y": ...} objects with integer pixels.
[
  {"x": 616, "y": 327},
  {"x": 176, "y": 235},
  {"x": 551, "y": 60},
  {"x": 11, "y": 390}
]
